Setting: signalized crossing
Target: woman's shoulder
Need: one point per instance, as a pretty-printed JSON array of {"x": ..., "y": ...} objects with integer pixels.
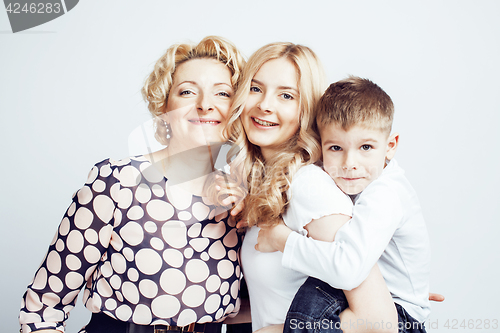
[
  {"x": 313, "y": 184},
  {"x": 116, "y": 167},
  {"x": 311, "y": 173},
  {"x": 314, "y": 194}
]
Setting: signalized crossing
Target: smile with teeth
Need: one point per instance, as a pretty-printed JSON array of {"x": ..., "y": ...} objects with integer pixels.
[
  {"x": 263, "y": 122},
  {"x": 202, "y": 121}
]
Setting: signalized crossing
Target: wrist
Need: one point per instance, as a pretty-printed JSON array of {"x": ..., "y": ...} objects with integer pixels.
[{"x": 281, "y": 235}]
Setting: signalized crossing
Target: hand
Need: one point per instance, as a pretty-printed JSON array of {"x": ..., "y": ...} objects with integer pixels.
[
  {"x": 436, "y": 297},
  {"x": 234, "y": 194},
  {"x": 273, "y": 239}
]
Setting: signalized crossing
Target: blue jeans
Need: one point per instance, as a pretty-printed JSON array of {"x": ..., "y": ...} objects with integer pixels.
[{"x": 317, "y": 305}]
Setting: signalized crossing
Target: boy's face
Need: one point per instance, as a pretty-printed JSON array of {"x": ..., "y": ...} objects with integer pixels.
[{"x": 356, "y": 157}]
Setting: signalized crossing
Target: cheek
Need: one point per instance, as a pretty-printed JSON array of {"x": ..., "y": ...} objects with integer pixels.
[
  {"x": 375, "y": 168},
  {"x": 250, "y": 103},
  {"x": 291, "y": 124},
  {"x": 329, "y": 164},
  {"x": 245, "y": 119},
  {"x": 224, "y": 109}
]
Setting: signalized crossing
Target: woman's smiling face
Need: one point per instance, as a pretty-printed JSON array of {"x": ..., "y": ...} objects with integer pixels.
[
  {"x": 198, "y": 103},
  {"x": 271, "y": 113}
]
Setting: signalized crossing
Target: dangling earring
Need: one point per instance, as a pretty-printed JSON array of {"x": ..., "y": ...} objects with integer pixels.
[{"x": 167, "y": 130}]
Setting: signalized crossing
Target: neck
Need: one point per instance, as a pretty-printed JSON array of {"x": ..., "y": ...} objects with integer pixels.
[
  {"x": 266, "y": 154},
  {"x": 188, "y": 169}
]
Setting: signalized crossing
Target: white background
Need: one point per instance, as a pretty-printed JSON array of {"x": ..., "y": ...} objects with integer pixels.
[{"x": 70, "y": 96}]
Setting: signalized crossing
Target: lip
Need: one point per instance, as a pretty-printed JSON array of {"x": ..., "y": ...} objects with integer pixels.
[
  {"x": 261, "y": 126},
  {"x": 351, "y": 179},
  {"x": 204, "y": 121}
]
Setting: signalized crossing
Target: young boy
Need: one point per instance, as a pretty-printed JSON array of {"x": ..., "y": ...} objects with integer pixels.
[{"x": 354, "y": 119}]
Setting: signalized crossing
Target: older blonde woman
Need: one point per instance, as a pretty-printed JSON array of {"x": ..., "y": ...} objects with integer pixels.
[{"x": 141, "y": 236}]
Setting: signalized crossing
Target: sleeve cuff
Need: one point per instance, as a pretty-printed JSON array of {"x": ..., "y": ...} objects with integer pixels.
[
  {"x": 292, "y": 239},
  {"x": 27, "y": 328}
]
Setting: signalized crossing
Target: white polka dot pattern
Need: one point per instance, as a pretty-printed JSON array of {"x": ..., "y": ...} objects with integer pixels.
[{"x": 145, "y": 251}]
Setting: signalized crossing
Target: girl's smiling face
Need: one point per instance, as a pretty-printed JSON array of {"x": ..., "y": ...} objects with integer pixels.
[{"x": 271, "y": 113}]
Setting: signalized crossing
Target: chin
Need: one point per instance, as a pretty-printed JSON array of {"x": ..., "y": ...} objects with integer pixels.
[{"x": 350, "y": 190}]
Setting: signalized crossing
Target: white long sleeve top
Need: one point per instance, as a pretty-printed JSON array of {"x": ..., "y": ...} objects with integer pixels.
[
  {"x": 313, "y": 194},
  {"x": 387, "y": 227}
]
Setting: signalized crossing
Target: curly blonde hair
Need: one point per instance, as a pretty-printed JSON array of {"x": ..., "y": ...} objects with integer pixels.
[
  {"x": 157, "y": 85},
  {"x": 269, "y": 180}
]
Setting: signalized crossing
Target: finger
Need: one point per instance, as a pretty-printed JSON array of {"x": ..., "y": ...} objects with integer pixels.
[
  {"x": 242, "y": 224},
  {"x": 436, "y": 297},
  {"x": 229, "y": 200},
  {"x": 238, "y": 208}
]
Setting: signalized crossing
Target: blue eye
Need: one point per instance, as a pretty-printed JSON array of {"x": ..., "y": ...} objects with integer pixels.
[
  {"x": 366, "y": 147},
  {"x": 335, "y": 148},
  {"x": 287, "y": 96},
  {"x": 255, "y": 89},
  {"x": 223, "y": 93},
  {"x": 185, "y": 92}
]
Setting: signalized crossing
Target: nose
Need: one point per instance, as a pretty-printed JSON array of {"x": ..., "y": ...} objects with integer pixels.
[
  {"x": 266, "y": 103},
  {"x": 204, "y": 103},
  {"x": 349, "y": 162}
]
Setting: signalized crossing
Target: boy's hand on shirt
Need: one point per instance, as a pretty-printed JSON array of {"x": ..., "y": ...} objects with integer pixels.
[{"x": 273, "y": 239}]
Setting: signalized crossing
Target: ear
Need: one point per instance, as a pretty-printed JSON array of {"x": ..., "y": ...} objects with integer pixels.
[
  {"x": 165, "y": 117},
  {"x": 392, "y": 146}
]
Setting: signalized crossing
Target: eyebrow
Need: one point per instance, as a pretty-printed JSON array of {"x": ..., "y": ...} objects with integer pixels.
[
  {"x": 215, "y": 84},
  {"x": 280, "y": 87},
  {"x": 336, "y": 142},
  {"x": 327, "y": 142}
]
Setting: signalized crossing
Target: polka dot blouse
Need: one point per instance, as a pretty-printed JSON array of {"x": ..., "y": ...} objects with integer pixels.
[{"x": 146, "y": 252}]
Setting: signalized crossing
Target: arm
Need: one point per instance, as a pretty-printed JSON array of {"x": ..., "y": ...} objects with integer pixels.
[
  {"x": 275, "y": 238},
  {"x": 347, "y": 261},
  {"x": 81, "y": 239},
  {"x": 370, "y": 302}
]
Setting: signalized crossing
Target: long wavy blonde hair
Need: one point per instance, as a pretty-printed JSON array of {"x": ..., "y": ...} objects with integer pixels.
[
  {"x": 157, "y": 85},
  {"x": 269, "y": 180}
]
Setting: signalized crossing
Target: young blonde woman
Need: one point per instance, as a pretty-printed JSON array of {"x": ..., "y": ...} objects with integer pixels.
[
  {"x": 141, "y": 236},
  {"x": 273, "y": 125}
]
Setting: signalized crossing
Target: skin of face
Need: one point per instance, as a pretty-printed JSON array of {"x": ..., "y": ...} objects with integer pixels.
[
  {"x": 198, "y": 103},
  {"x": 271, "y": 113},
  {"x": 357, "y": 156}
]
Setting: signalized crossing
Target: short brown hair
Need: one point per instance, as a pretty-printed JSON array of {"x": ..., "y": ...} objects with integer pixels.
[{"x": 355, "y": 101}]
